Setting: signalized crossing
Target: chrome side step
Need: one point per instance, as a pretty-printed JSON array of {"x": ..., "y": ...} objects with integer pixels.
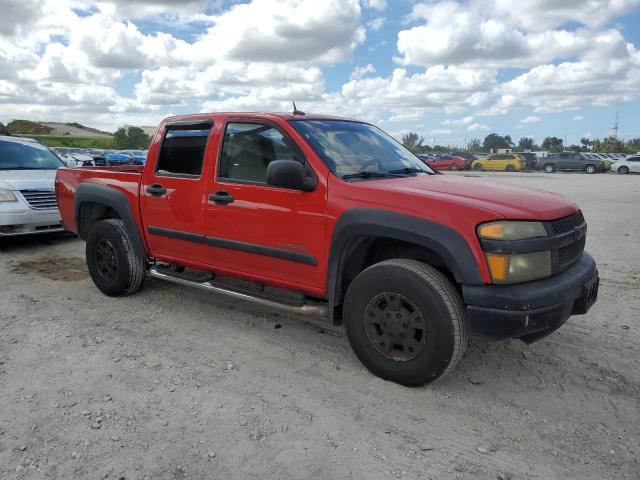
[{"x": 309, "y": 309}]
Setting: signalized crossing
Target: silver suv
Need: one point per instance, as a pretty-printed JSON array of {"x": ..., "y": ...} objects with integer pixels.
[{"x": 27, "y": 197}]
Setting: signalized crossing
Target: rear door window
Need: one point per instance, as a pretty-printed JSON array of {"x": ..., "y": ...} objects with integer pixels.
[{"x": 182, "y": 152}]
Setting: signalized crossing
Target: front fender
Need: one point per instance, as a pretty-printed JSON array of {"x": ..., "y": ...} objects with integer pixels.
[{"x": 446, "y": 242}]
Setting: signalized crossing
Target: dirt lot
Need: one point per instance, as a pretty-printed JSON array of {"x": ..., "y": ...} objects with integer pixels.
[{"x": 141, "y": 387}]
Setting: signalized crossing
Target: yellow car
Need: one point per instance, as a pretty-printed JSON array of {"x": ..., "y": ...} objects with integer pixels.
[{"x": 504, "y": 162}]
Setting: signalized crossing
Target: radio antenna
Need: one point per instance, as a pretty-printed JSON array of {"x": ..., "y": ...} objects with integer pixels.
[{"x": 295, "y": 109}]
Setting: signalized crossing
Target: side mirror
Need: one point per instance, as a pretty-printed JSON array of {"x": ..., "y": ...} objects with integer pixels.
[{"x": 289, "y": 174}]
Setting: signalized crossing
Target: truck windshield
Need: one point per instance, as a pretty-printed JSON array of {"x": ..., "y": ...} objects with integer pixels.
[
  {"x": 352, "y": 149},
  {"x": 20, "y": 155}
]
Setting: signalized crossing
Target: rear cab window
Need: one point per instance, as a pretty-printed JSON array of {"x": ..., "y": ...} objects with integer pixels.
[{"x": 182, "y": 150}]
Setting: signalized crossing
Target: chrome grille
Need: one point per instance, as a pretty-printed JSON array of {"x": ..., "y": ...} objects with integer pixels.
[
  {"x": 566, "y": 224},
  {"x": 40, "y": 199}
]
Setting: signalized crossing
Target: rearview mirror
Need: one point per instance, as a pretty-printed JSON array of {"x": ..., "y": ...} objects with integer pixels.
[{"x": 288, "y": 174}]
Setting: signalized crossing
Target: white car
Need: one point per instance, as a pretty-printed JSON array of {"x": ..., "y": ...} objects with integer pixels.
[
  {"x": 27, "y": 197},
  {"x": 630, "y": 164}
]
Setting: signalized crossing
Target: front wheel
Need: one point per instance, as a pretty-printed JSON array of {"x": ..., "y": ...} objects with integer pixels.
[
  {"x": 623, "y": 170},
  {"x": 405, "y": 322},
  {"x": 590, "y": 169},
  {"x": 510, "y": 168},
  {"x": 112, "y": 262},
  {"x": 453, "y": 168},
  {"x": 549, "y": 168}
]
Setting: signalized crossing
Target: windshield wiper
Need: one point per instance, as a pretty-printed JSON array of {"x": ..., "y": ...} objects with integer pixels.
[
  {"x": 370, "y": 174},
  {"x": 407, "y": 171}
]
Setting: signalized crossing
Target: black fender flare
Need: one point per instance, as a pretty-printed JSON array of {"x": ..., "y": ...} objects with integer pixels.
[
  {"x": 363, "y": 222},
  {"x": 112, "y": 198}
]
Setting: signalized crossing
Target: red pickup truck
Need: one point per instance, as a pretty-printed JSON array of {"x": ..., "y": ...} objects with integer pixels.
[{"x": 317, "y": 215}]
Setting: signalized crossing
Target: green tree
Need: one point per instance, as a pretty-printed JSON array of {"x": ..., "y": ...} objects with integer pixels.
[
  {"x": 413, "y": 142},
  {"x": 633, "y": 145},
  {"x": 475, "y": 145},
  {"x": 495, "y": 141},
  {"x": 612, "y": 145},
  {"x": 526, "y": 144},
  {"x": 507, "y": 138},
  {"x": 131, "y": 138},
  {"x": 3, "y": 129},
  {"x": 553, "y": 144}
]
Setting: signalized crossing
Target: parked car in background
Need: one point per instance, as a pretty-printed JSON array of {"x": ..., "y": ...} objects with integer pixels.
[
  {"x": 530, "y": 160},
  {"x": 630, "y": 164},
  {"x": 98, "y": 155},
  {"x": 503, "y": 162},
  {"x": 447, "y": 162},
  {"x": 138, "y": 157},
  {"x": 126, "y": 157},
  {"x": 570, "y": 161},
  {"x": 27, "y": 196}
]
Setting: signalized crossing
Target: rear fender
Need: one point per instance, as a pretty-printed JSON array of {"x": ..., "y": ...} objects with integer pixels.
[{"x": 114, "y": 199}]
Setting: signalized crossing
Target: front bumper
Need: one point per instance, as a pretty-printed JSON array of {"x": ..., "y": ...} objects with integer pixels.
[
  {"x": 28, "y": 221},
  {"x": 532, "y": 310}
]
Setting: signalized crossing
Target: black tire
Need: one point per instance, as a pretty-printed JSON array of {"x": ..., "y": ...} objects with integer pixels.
[
  {"x": 590, "y": 169},
  {"x": 510, "y": 168},
  {"x": 113, "y": 264},
  {"x": 423, "y": 292},
  {"x": 478, "y": 167},
  {"x": 549, "y": 168},
  {"x": 453, "y": 168},
  {"x": 623, "y": 170}
]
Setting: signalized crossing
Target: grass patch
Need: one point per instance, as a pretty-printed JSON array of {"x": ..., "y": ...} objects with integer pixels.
[{"x": 78, "y": 142}]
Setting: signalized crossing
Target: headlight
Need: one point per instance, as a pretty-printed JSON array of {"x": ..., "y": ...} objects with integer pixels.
[
  {"x": 514, "y": 267},
  {"x": 511, "y": 230},
  {"x": 7, "y": 196},
  {"x": 519, "y": 267}
]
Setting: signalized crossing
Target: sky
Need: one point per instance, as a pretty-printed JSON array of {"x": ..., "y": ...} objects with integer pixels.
[{"x": 449, "y": 70}]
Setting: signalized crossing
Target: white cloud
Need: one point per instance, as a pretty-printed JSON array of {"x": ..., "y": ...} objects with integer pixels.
[
  {"x": 531, "y": 119},
  {"x": 360, "y": 72},
  {"x": 376, "y": 23},
  {"x": 478, "y": 127},
  {"x": 461, "y": 121},
  {"x": 285, "y": 31},
  {"x": 376, "y": 4},
  {"x": 578, "y": 118},
  {"x": 463, "y": 35}
]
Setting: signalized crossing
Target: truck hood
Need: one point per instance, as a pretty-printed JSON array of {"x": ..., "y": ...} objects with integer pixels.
[
  {"x": 27, "y": 179},
  {"x": 510, "y": 202}
]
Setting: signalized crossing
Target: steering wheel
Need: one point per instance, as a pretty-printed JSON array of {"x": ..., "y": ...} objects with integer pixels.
[{"x": 365, "y": 165}]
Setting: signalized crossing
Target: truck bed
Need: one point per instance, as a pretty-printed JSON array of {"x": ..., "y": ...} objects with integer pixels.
[{"x": 124, "y": 178}]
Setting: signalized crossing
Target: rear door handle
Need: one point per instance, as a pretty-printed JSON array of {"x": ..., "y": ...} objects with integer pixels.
[
  {"x": 156, "y": 190},
  {"x": 221, "y": 198}
]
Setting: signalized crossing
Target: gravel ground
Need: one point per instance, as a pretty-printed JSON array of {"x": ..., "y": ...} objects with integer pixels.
[{"x": 174, "y": 383}]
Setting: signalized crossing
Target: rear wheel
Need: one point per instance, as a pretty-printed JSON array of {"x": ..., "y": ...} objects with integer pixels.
[
  {"x": 453, "y": 168},
  {"x": 405, "y": 322},
  {"x": 549, "y": 168},
  {"x": 623, "y": 170},
  {"x": 478, "y": 167},
  {"x": 590, "y": 169},
  {"x": 112, "y": 262}
]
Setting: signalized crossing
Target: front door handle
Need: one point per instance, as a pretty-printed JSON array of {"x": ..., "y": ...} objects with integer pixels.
[
  {"x": 221, "y": 198},
  {"x": 156, "y": 190}
]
